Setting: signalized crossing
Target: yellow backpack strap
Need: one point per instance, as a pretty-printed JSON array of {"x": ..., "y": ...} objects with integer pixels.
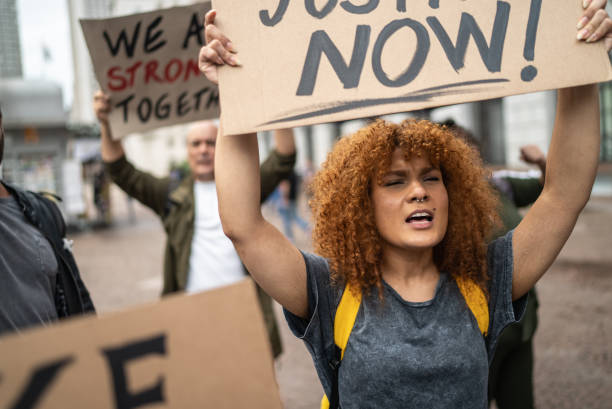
[
  {"x": 476, "y": 301},
  {"x": 343, "y": 324}
]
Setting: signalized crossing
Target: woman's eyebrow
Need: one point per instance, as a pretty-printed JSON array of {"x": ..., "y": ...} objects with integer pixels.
[
  {"x": 404, "y": 172},
  {"x": 395, "y": 173},
  {"x": 428, "y": 169}
]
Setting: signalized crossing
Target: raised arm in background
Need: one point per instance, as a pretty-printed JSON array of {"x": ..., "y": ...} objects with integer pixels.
[
  {"x": 533, "y": 155},
  {"x": 570, "y": 168},
  {"x": 144, "y": 187},
  {"x": 111, "y": 149},
  {"x": 279, "y": 163},
  {"x": 272, "y": 260}
]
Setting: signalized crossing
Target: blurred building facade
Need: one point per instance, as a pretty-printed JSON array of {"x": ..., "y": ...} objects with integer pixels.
[
  {"x": 36, "y": 155},
  {"x": 10, "y": 46},
  {"x": 84, "y": 79}
]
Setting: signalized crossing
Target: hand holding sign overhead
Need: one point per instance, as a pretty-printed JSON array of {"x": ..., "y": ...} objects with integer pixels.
[
  {"x": 101, "y": 106},
  {"x": 343, "y": 61},
  {"x": 218, "y": 50},
  {"x": 595, "y": 23},
  {"x": 110, "y": 149}
]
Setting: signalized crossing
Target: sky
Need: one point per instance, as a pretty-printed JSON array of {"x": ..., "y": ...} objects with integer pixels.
[{"x": 44, "y": 24}]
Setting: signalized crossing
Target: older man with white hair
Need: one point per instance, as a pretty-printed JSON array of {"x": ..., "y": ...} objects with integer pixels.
[{"x": 198, "y": 254}]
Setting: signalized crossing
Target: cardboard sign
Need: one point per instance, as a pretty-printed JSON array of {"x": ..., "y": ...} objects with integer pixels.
[
  {"x": 148, "y": 63},
  {"x": 207, "y": 350},
  {"x": 307, "y": 62}
]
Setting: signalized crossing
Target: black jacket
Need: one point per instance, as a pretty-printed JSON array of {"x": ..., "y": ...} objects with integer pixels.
[{"x": 71, "y": 295}]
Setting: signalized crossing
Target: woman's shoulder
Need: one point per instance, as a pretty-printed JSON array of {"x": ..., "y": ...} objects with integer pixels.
[
  {"x": 320, "y": 276},
  {"x": 314, "y": 262},
  {"x": 499, "y": 251},
  {"x": 500, "y": 264}
]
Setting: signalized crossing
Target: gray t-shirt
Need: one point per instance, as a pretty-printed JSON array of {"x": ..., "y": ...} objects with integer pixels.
[
  {"x": 409, "y": 355},
  {"x": 28, "y": 271}
]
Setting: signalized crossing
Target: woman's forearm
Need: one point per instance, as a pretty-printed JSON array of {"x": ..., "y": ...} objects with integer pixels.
[
  {"x": 574, "y": 149},
  {"x": 238, "y": 184}
]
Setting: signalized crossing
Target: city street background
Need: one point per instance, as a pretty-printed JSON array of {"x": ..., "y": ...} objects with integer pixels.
[
  {"x": 122, "y": 267},
  {"x": 52, "y": 144}
]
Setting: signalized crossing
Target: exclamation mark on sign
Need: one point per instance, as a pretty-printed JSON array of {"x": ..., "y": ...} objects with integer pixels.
[
  {"x": 434, "y": 4},
  {"x": 529, "y": 72}
]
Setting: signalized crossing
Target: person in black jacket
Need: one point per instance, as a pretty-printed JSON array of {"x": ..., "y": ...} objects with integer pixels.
[{"x": 39, "y": 279}]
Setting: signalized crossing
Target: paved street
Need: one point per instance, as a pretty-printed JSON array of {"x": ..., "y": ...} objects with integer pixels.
[{"x": 122, "y": 267}]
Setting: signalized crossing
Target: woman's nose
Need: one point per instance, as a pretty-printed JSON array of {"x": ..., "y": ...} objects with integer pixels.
[{"x": 417, "y": 193}]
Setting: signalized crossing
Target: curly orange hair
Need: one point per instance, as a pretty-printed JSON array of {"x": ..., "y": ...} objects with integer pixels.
[{"x": 345, "y": 231}]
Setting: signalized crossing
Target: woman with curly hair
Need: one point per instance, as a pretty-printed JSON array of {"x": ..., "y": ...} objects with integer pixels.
[{"x": 401, "y": 215}]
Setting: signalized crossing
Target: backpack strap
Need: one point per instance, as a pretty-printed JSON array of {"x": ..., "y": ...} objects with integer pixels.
[
  {"x": 59, "y": 227},
  {"x": 476, "y": 301},
  {"x": 343, "y": 325},
  {"x": 345, "y": 317}
]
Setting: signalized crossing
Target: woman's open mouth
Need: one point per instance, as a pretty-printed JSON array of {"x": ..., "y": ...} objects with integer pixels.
[{"x": 420, "y": 219}]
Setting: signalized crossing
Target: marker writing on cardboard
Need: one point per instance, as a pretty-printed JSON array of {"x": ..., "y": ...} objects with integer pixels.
[
  {"x": 118, "y": 358},
  {"x": 349, "y": 73},
  {"x": 311, "y": 8},
  {"x": 529, "y": 72},
  {"x": 144, "y": 72}
]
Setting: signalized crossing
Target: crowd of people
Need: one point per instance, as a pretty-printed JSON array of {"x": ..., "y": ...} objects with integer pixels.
[{"x": 419, "y": 254}]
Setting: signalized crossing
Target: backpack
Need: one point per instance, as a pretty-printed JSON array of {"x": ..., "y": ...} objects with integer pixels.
[
  {"x": 347, "y": 313},
  {"x": 71, "y": 295}
]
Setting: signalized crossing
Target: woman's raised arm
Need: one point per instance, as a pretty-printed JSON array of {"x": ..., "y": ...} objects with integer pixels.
[
  {"x": 273, "y": 261},
  {"x": 571, "y": 168},
  {"x": 570, "y": 172}
]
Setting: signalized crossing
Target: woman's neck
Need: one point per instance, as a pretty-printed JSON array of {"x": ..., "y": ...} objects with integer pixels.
[{"x": 411, "y": 273}]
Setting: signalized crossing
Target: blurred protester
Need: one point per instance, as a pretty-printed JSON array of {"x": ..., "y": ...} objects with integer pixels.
[
  {"x": 308, "y": 173},
  {"x": 198, "y": 255},
  {"x": 40, "y": 281},
  {"x": 101, "y": 197},
  {"x": 511, "y": 372},
  {"x": 288, "y": 205}
]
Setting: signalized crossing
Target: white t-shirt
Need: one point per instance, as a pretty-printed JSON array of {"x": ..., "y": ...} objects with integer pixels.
[{"x": 213, "y": 261}]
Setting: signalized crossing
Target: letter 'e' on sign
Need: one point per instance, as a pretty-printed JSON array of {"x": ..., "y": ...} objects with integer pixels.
[
  {"x": 314, "y": 61},
  {"x": 148, "y": 64},
  {"x": 208, "y": 350}
]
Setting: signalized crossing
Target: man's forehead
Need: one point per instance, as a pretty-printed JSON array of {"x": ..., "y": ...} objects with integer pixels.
[{"x": 202, "y": 131}]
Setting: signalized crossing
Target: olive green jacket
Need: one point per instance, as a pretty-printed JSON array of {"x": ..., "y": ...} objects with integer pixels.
[{"x": 175, "y": 206}]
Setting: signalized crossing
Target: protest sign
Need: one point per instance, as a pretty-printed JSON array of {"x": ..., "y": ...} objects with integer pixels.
[
  {"x": 208, "y": 350},
  {"x": 306, "y": 62},
  {"x": 148, "y": 63}
]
